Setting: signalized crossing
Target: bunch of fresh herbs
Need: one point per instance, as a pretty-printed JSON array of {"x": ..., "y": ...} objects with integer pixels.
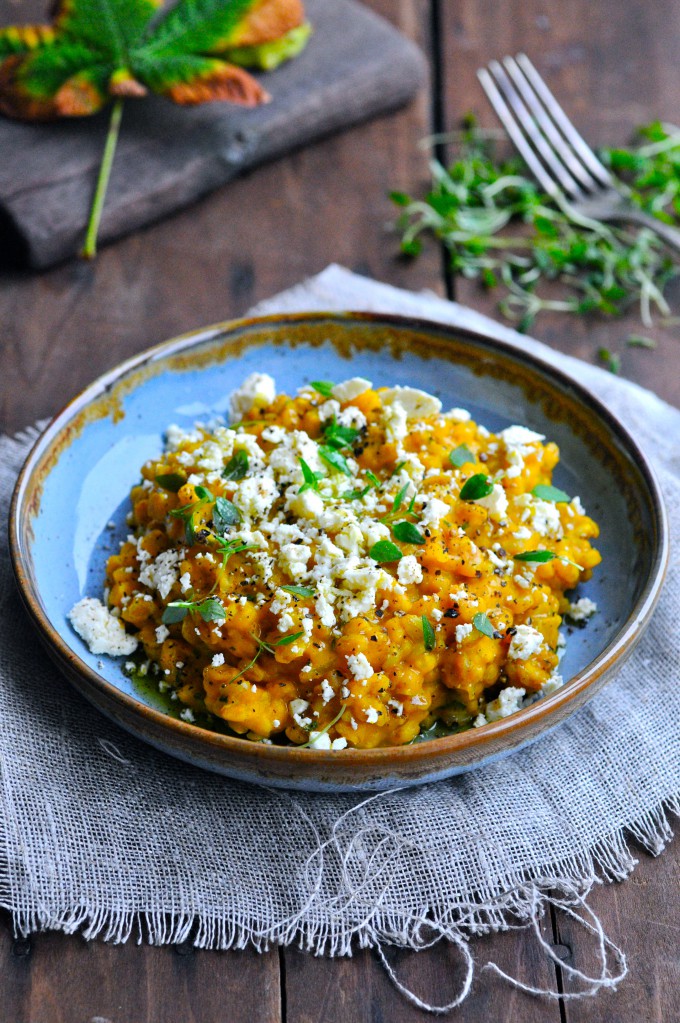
[{"x": 500, "y": 229}]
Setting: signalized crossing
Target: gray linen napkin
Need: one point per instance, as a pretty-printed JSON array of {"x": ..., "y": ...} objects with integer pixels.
[{"x": 101, "y": 834}]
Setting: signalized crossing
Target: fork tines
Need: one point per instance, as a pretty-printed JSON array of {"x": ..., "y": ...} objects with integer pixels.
[{"x": 555, "y": 153}]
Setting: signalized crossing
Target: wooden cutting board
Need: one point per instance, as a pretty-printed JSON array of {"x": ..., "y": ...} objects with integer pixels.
[{"x": 355, "y": 67}]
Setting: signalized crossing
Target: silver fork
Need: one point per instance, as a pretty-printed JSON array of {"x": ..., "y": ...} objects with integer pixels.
[{"x": 564, "y": 165}]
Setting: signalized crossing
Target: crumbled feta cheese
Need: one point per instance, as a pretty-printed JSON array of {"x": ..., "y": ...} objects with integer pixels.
[
  {"x": 258, "y": 389},
  {"x": 397, "y": 707},
  {"x": 360, "y": 666},
  {"x": 460, "y": 415},
  {"x": 162, "y": 633},
  {"x": 218, "y": 660},
  {"x": 417, "y": 404},
  {"x": 409, "y": 570},
  {"x": 526, "y": 642},
  {"x": 551, "y": 686},
  {"x": 329, "y": 410},
  {"x": 103, "y": 633},
  {"x": 508, "y": 702},
  {"x": 577, "y": 506},
  {"x": 255, "y": 495},
  {"x": 339, "y": 743},
  {"x": 185, "y": 582},
  {"x": 297, "y": 709},
  {"x": 348, "y": 390},
  {"x": 372, "y": 715},
  {"x": 462, "y": 631},
  {"x": 327, "y": 691},
  {"x": 520, "y": 436},
  {"x": 273, "y": 434},
  {"x": 496, "y": 503},
  {"x": 187, "y": 715},
  {"x": 581, "y": 609},
  {"x": 433, "y": 511}
]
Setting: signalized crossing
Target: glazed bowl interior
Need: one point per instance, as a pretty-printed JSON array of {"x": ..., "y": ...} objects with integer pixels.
[{"x": 71, "y": 503}]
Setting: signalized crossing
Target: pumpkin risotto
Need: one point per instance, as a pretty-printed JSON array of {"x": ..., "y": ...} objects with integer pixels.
[{"x": 347, "y": 567}]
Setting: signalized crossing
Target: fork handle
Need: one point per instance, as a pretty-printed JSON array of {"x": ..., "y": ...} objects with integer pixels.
[{"x": 670, "y": 235}]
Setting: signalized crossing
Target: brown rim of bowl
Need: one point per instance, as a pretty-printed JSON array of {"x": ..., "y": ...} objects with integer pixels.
[{"x": 620, "y": 645}]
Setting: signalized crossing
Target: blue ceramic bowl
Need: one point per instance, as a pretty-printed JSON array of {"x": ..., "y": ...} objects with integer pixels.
[{"x": 69, "y": 508}]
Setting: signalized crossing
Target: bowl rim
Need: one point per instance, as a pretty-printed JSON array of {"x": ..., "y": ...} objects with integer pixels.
[{"x": 526, "y": 720}]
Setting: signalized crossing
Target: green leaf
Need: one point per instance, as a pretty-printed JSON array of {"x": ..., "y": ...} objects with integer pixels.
[
  {"x": 396, "y": 504},
  {"x": 460, "y": 456},
  {"x": 428, "y": 634},
  {"x": 476, "y": 487},
  {"x": 211, "y": 610},
  {"x": 639, "y": 341},
  {"x": 610, "y": 360},
  {"x": 287, "y": 640},
  {"x": 335, "y": 459},
  {"x": 176, "y": 612},
  {"x": 482, "y": 624},
  {"x": 385, "y": 551},
  {"x": 170, "y": 481},
  {"x": 407, "y": 533},
  {"x": 549, "y": 493},
  {"x": 323, "y": 387},
  {"x": 355, "y": 495},
  {"x": 300, "y": 591},
  {"x": 337, "y": 436},
  {"x": 372, "y": 478},
  {"x": 203, "y": 494},
  {"x": 310, "y": 477},
  {"x": 237, "y": 466},
  {"x": 539, "y": 556},
  {"x": 225, "y": 514}
]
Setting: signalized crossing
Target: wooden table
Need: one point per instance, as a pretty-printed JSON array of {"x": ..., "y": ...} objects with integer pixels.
[{"x": 614, "y": 65}]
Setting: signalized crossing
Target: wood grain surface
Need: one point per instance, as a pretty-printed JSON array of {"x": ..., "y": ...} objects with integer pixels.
[{"x": 613, "y": 64}]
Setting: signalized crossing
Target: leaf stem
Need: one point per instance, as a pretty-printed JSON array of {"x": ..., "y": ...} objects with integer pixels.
[{"x": 89, "y": 250}]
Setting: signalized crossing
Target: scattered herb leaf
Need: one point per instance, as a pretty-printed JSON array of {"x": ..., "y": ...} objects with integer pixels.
[
  {"x": 482, "y": 624},
  {"x": 396, "y": 504},
  {"x": 210, "y": 610},
  {"x": 355, "y": 495},
  {"x": 310, "y": 477},
  {"x": 323, "y": 387},
  {"x": 300, "y": 591},
  {"x": 610, "y": 360},
  {"x": 337, "y": 436},
  {"x": 371, "y": 476},
  {"x": 384, "y": 551},
  {"x": 547, "y": 492},
  {"x": 335, "y": 459},
  {"x": 475, "y": 487},
  {"x": 170, "y": 481},
  {"x": 225, "y": 514},
  {"x": 428, "y": 633},
  {"x": 237, "y": 466},
  {"x": 322, "y": 731},
  {"x": 461, "y": 456},
  {"x": 287, "y": 640},
  {"x": 407, "y": 533},
  {"x": 639, "y": 341},
  {"x": 544, "y": 556}
]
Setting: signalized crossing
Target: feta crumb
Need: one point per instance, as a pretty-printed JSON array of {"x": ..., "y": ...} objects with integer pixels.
[
  {"x": 360, "y": 666},
  {"x": 462, "y": 631},
  {"x": 417, "y": 404},
  {"x": 185, "y": 582},
  {"x": 372, "y": 715},
  {"x": 581, "y": 609},
  {"x": 508, "y": 702},
  {"x": 187, "y": 715},
  {"x": 340, "y": 743},
  {"x": 327, "y": 691},
  {"x": 348, "y": 390},
  {"x": 162, "y": 633},
  {"x": 257, "y": 389},
  {"x": 218, "y": 660},
  {"x": 409, "y": 570},
  {"x": 103, "y": 633},
  {"x": 526, "y": 642},
  {"x": 496, "y": 503}
]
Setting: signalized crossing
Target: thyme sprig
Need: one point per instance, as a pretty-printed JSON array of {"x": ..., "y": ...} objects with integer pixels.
[{"x": 475, "y": 206}]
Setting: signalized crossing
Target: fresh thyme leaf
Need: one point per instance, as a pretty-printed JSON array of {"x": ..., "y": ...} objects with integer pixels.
[
  {"x": 323, "y": 387},
  {"x": 335, "y": 459},
  {"x": 170, "y": 481},
  {"x": 287, "y": 640},
  {"x": 639, "y": 341},
  {"x": 610, "y": 360},
  {"x": 211, "y": 610},
  {"x": 355, "y": 495},
  {"x": 461, "y": 456},
  {"x": 225, "y": 514},
  {"x": 237, "y": 466},
  {"x": 544, "y": 556},
  {"x": 371, "y": 476},
  {"x": 384, "y": 551},
  {"x": 482, "y": 624},
  {"x": 300, "y": 591},
  {"x": 407, "y": 533},
  {"x": 428, "y": 633},
  {"x": 203, "y": 494},
  {"x": 475, "y": 487},
  {"x": 398, "y": 467},
  {"x": 310, "y": 477},
  {"x": 549, "y": 493},
  {"x": 176, "y": 612},
  {"x": 96, "y": 51},
  {"x": 500, "y": 230},
  {"x": 337, "y": 436},
  {"x": 322, "y": 731},
  {"x": 396, "y": 504}
]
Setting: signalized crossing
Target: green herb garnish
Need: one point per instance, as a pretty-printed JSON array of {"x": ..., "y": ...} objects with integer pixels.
[
  {"x": 337, "y": 436},
  {"x": 428, "y": 633},
  {"x": 558, "y": 260},
  {"x": 638, "y": 341},
  {"x": 541, "y": 557},
  {"x": 407, "y": 533},
  {"x": 225, "y": 514},
  {"x": 476, "y": 487},
  {"x": 460, "y": 456},
  {"x": 322, "y": 731},
  {"x": 610, "y": 360},
  {"x": 549, "y": 493},
  {"x": 310, "y": 477},
  {"x": 384, "y": 551},
  {"x": 323, "y": 387},
  {"x": 482, "y": 624},
  {"x": 237, "y": 466},
  {"x": 335, "y": 459},
  {"x": 171, "y": 481},
  {"x": 210, "y": 609},
  {"x": 300, "y": 591},
  {"x": 287, "y": 640},
  {"x": 187, "y": 511}
]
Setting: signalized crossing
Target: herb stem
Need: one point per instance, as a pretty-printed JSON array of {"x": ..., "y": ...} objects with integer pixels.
[{"x": 89, "y": 250}]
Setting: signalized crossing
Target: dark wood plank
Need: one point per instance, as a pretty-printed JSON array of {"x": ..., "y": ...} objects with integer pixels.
[
  {"x": 65, "y": 979},
  {"x": 359, "y": 989},
  {"x": 612, "y": 66},
  {"x": 355, "y": 67}
]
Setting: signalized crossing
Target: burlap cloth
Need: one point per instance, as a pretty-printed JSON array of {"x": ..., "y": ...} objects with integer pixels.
[{"x": 100, "y": 834}]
